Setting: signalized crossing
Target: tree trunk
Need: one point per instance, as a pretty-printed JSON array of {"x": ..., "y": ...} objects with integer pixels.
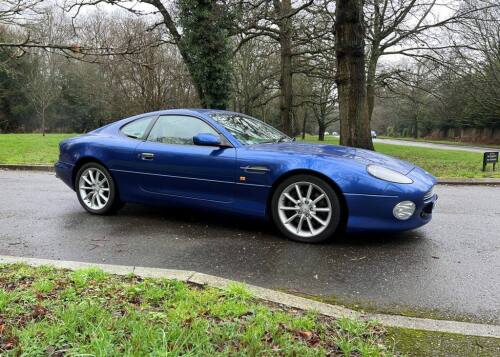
[
  {"x": 351, "y": 77},
  {"x": 286, "y": 95},
  {"x": 370, "y": 81},
  {"x": 321, "y": 133},
  {"x": 43, "y": 121},
  {"x": 415, "y": 124},
  {"x": 304, "y": 123}
]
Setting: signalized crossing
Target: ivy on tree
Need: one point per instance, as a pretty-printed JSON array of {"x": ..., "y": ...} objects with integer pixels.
[{"x": 205, "y": 39}]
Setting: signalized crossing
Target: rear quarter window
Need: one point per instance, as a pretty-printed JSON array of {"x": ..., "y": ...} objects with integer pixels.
[{"x": 137, "y": 128}]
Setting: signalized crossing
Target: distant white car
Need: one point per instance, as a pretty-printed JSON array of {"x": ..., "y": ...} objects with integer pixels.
[
  {"x": 374, "y": 134},
  {"x": 334, "y": 133},
  {"x": 327, "y": 133}
]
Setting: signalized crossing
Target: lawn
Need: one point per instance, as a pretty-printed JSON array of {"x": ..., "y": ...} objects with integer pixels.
[
  {"x": 30, "y": 148},
  {"x": 48, "y": 311},
  {"x": 441, "y": 163},
  {"x": 37, "y": 149}
]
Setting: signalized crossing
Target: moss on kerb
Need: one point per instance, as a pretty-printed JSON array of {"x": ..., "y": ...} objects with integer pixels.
[
  {"x": 419, "y": 343},
  {"x": 393, "y": 309}
]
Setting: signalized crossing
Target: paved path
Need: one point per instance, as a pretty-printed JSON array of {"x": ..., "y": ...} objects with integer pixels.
[
  {"x": 435, "y": 145},
  {"x": 452, "y": 264}
]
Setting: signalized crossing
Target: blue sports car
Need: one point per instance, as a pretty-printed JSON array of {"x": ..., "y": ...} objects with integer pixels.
[{"x": 231, "y": 162}]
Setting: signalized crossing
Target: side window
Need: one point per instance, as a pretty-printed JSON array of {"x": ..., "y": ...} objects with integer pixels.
[
  {"x": 137, "y": 128},
  {"x": 178, "y": 129}
]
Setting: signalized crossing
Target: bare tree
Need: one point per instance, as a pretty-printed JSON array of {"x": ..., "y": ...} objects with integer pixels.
[
  {"x": 412, "y": 28},
  {"x": 275, "y": 20},
  {"x": 42, "y": 81}
]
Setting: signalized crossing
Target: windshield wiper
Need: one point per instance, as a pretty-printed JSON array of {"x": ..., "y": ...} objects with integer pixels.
[{"x": 283, "y": 139}]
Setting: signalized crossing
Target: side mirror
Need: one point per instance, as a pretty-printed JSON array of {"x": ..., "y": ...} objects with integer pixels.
[{"x": 206, "y": 139}]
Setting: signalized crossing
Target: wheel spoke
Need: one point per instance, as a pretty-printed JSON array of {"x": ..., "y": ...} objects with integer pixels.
[
  {"x": 286, "y": 208},
  {"x": 291, "y": 218},
  {"x": 299, "y": 194},
  {"x": 87, "y": 180},
  {"x": 103, "y": 197},
  {"x": 309, "y": 191},
  {"x": 309, "y": 223},
  {"x": 299, "y": 226},
  {"x": 98, "y": 199},
  {"x": 291, "y": 198},
  {"x": 319, "y": 198},
  {"x": 319, "y": 220},
  {"x": 322, "y": 209},
  {"x": 105, "y": 189},
  {"x": 85, "y": 188},
  {"x": 91, "y": 176}
]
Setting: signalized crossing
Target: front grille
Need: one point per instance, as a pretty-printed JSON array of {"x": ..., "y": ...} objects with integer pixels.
[{"x": 429, "y": 194}]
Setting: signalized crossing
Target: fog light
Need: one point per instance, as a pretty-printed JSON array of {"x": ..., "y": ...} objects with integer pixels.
[{"x": 404, "y": 210}]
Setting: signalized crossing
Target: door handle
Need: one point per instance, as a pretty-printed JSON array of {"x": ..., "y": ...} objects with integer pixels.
[{"x": 147, "y": 156}]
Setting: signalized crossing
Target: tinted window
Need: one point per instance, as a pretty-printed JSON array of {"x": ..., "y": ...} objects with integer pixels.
[
  {"x": 137, "y": 128},
  {"x": 177, "y": 129}
]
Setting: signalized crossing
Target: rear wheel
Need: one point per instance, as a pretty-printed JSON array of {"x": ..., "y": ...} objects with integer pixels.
[
  {"x": 305, "y": 208},
  {"x": 96, "y": 189}
]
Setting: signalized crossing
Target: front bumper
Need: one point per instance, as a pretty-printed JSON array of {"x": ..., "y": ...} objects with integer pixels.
[{"x": 375, "y": 212}]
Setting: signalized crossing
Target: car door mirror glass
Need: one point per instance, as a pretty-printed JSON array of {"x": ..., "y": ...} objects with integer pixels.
[{"x": 206, "y": 139}]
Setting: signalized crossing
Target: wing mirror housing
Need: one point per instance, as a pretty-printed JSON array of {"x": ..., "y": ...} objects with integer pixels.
[{"x": 206, "y": 139}]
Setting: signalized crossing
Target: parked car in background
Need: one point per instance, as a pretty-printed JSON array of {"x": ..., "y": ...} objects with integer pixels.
[
  {"x": 374, "y": 134},
  {"x": 229, "y": 162},
  {"x": 334, "y": 133}
]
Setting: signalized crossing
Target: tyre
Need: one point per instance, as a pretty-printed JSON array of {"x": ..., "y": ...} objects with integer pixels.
[
  {"x": 96, "y": 189},
  {"x": 305, "y": 208}
]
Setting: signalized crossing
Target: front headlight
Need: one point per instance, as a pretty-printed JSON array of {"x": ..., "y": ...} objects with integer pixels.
[{"x": 386, "y": 174}]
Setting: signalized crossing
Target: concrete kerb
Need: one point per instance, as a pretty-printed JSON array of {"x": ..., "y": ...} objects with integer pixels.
[{"x": 284, "y": 299}]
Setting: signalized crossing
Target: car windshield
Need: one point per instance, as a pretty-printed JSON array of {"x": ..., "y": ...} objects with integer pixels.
[{"x": 248, "y": 130}]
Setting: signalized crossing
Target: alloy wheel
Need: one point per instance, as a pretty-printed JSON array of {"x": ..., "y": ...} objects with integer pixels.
[
  {"x": 304, "y": 209},
  {"x": 94, "y": 188}
]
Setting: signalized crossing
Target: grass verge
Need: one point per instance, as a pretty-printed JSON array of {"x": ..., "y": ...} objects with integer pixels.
[
  {"x": 30, "y": 148},
  {"x": 48, "y": 311},
  {"x": 440, "y": 163}
]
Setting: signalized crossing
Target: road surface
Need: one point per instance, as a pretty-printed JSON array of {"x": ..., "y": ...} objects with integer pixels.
[
  {"x": 451, "y": 265},
  {"x": 424, "y": 144}
]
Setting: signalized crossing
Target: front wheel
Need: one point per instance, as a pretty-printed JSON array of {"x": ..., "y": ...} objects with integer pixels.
[
  {"x": 96, "y": 189},
  {"x": 306, "y": 209}
]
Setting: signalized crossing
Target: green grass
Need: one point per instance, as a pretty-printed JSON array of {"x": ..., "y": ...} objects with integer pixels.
[
  {"x": 46, "y": 311},
  {"x": 30, "y": 148},
  {"x": 440, "y": 163}
]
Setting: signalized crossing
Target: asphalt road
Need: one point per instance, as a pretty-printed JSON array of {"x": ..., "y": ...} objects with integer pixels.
[
  {"x": 451, "y": 265},
  {"x": 435, "y": 145}
]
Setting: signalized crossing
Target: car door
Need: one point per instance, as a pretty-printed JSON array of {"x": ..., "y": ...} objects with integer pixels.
[{"x": 171, "y": 165}]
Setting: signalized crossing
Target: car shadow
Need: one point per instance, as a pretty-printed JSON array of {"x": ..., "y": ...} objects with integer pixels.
[{"x": 262, "y": 228}]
